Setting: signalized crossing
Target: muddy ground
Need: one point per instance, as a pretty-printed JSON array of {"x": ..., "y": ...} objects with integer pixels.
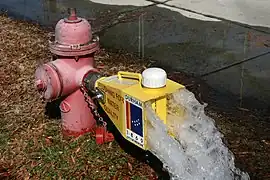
[{"x": 32, "y": 147}]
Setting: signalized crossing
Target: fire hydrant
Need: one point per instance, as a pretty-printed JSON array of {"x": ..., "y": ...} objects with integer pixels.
[{"x": 74, "y": 47}]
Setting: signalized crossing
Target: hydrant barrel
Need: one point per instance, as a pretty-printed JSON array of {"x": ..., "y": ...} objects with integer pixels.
[{"x": 76, "y": 116}]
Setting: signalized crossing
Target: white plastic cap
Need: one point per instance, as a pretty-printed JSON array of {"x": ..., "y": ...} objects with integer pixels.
[{"x": 154, "y": 78}]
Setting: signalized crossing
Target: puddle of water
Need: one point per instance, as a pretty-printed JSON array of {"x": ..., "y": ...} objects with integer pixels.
[{"x": 197, "y": 152}]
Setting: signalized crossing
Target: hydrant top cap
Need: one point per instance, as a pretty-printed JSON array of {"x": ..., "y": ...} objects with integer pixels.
[{"x": 72, "y": 16}]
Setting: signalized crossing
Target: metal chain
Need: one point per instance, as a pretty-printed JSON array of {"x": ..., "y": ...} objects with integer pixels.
[{"x": 92, "y": 106}]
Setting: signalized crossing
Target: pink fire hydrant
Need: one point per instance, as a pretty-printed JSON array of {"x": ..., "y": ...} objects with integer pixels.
[{"x": 74, "y": 46}]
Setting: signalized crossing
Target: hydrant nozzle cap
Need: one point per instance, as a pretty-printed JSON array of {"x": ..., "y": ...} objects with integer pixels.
[
  {"x": 40, "y": 85},
  {"x": 154, "y": 78}
]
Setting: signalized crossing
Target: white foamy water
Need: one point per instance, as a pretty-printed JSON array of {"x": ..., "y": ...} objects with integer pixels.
[{"x": 197, "y": 151}]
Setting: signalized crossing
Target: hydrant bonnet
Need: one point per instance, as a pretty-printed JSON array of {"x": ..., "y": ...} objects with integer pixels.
[{"x": 73, "y": 37}]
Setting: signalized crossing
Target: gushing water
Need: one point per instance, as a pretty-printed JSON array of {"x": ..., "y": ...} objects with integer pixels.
[{"x": 196, "y": 152}]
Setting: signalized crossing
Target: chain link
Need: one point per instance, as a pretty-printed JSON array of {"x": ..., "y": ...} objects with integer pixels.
[{"x": 92, "y": 106}]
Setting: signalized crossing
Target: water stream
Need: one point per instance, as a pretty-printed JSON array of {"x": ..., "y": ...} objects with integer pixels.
[{"x": 197, "y": 151}]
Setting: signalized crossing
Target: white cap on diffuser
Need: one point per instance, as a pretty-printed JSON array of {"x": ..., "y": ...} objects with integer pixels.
[{"x": 154, "y": 78}]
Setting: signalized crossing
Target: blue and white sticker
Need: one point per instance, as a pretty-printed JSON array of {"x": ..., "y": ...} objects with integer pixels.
[{"x": 134, "y": 120}]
